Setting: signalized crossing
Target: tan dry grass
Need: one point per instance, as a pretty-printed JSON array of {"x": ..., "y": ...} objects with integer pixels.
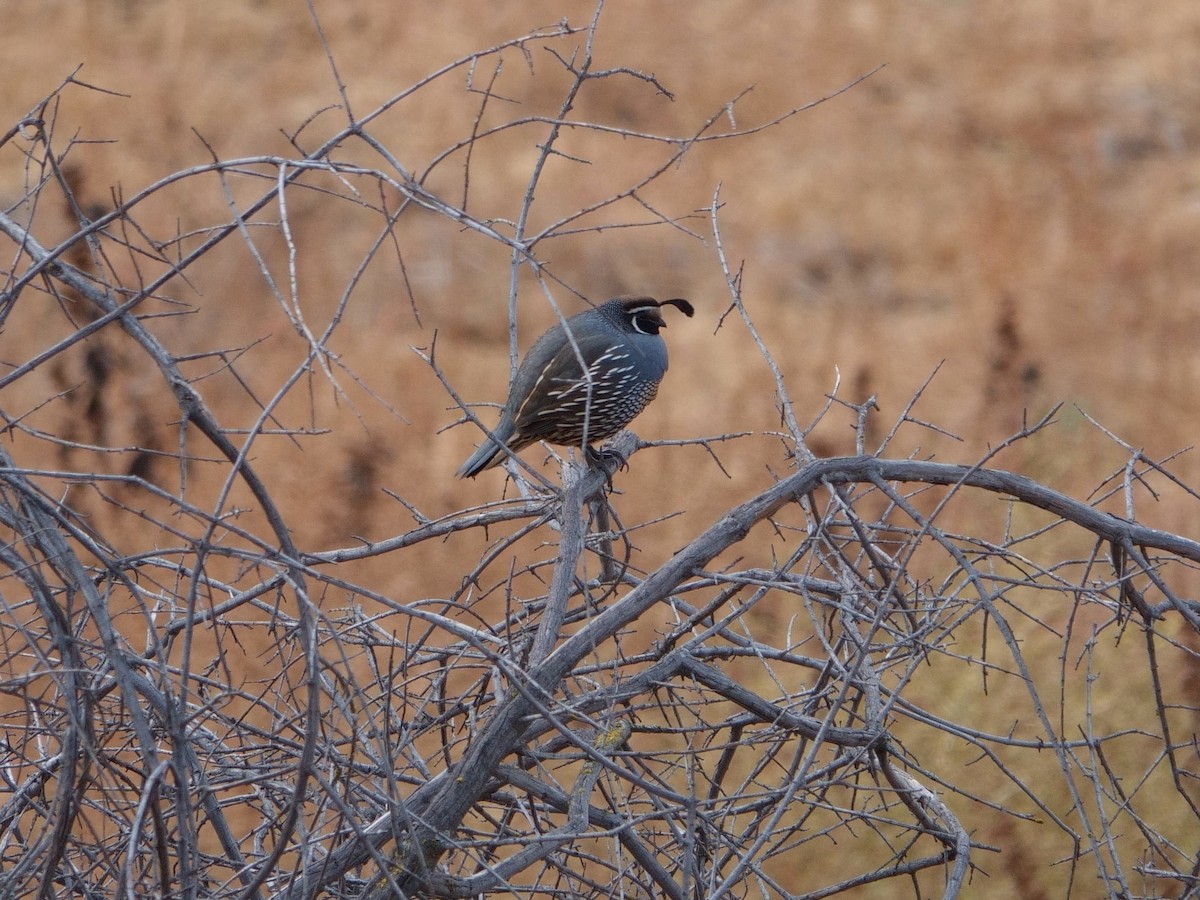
[{"x": 1015, "y": 194}]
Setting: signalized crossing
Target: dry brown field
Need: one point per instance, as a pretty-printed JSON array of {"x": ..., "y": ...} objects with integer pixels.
[{"x": 1011, "y": 199}]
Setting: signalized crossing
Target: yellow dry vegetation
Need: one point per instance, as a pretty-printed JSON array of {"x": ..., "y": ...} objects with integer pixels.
[{"x": 1014, "y": 197}]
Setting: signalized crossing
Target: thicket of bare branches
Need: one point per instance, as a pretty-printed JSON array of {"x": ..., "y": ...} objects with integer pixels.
[{"x": 518, "y": 736}]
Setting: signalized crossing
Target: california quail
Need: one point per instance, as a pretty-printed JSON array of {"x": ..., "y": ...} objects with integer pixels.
[{"x": 555, "y": 399}]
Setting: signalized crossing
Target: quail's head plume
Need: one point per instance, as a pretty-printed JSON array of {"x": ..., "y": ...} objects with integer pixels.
[{"x": 583, "y": 380}]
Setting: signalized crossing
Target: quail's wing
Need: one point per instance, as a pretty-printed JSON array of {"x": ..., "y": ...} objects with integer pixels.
[{"x": 562, "y": 393}]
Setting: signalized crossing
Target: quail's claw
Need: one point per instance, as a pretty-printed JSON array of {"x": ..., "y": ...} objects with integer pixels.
[{"x": 607, "y": 460}]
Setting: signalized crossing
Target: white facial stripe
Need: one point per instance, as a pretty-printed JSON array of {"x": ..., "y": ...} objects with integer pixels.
[{"x": 634, "y": 312}]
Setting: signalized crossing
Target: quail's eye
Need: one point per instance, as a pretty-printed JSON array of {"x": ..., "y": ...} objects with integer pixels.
[{"x": 646, "y": 322}]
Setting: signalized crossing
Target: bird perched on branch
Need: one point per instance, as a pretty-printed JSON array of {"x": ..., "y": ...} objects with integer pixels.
[{"x": 583, "y": 380}]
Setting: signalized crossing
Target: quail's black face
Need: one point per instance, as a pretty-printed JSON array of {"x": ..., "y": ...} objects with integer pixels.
[
  {"x": 644, "y": 315},
  {"x": 645, "y": 319}
]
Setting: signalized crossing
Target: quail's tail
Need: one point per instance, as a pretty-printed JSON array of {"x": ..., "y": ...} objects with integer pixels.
[{"x": 489, "y": 454}]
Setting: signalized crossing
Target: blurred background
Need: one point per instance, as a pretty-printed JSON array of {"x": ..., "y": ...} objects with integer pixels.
[{"x": 1014, "y": 197}]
